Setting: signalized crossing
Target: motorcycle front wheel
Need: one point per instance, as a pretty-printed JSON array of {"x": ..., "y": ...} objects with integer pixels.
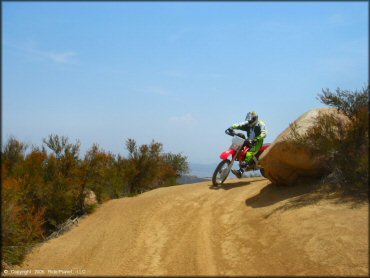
[{"x": 221, "y": 172}]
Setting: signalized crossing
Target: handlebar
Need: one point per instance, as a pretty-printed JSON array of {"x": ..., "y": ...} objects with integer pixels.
[{"x": 231, "y": 132}]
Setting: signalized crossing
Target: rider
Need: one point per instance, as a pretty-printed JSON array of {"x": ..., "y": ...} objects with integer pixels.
[{"x": 256, "y": 132}]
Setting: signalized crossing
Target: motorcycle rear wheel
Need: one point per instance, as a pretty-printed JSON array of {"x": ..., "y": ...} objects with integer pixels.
[{"x": 221, "y": 172}]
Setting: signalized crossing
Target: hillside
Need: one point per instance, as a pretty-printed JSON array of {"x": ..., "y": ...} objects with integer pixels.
[
  {"x": 247, "y": 227},
  {"x": 187, "y": 179}
]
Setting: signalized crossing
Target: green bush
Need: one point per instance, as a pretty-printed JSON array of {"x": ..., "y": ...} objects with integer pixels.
[{"x": 148, "y": 167}]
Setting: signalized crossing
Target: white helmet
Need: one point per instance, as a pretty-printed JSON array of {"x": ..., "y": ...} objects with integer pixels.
[{"x": 252, "y": 118}]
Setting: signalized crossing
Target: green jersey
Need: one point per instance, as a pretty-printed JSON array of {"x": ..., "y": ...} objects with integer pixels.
[{"x": 257, "y": 132}]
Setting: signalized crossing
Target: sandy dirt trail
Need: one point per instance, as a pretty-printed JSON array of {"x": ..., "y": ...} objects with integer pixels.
[{"x": 247, "y": 227}]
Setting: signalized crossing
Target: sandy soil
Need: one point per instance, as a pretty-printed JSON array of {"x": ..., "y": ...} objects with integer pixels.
[{"x": 247, "y": 227}]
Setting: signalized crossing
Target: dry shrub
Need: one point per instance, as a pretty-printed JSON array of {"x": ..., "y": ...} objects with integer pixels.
[
  {"x": 21, "y": 224},
  {"x": 45, "y": 187},
  {"x": 342, "y": 142}
]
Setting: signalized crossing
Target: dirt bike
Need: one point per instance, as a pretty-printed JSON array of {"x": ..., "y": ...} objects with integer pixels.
[{"x": 238, "y": 150}]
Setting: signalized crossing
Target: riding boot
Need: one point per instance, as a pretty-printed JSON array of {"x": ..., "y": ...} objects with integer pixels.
[{"x": 238, "y": 173}]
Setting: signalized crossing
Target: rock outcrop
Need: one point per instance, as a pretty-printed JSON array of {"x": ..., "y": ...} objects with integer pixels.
[
  {"x": 90, "y": 198},
  {"x": 284, "y": 162}
]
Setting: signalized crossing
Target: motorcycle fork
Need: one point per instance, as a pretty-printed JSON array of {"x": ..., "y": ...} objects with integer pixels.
[{"x": 233, "y": 159}]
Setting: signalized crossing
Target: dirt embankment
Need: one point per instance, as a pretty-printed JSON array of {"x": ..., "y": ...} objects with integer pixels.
[{"x": 247, "y": 227}]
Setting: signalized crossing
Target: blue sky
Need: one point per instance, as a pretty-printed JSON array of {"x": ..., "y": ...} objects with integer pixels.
[{"x": 179, "y": 73}]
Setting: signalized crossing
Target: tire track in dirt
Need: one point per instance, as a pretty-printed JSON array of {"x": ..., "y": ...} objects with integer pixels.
[{"x": 194, "y": 230}]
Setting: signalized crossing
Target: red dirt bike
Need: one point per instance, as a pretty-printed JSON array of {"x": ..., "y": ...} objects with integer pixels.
[{"x": 238, "y": 150}]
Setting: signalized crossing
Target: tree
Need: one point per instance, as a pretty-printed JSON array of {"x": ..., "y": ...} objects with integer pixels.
[{"x": 13, "y": 155}]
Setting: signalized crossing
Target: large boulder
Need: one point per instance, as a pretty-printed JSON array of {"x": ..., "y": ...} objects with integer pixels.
[{"x": 284, "y": 162}]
